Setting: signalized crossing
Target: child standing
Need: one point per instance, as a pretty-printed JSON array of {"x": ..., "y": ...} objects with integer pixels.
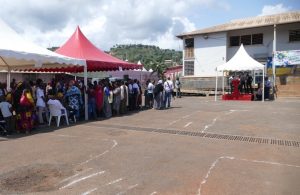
[{"x": 6, "y": 110}]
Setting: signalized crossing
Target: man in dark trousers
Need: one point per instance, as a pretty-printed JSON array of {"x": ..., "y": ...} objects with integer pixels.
[{"x": 249, "y": 83}]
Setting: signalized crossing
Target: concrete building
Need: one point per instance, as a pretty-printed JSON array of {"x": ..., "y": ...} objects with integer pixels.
[{"x": 207, "y": 48}]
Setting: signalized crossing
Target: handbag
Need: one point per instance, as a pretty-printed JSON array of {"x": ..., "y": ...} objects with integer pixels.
[{"x": 24, "y": 100}]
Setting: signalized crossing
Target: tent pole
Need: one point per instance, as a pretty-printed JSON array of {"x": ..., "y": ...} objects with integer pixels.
[
  {"x": 216, "y": 85},
  {"x": 8, "y": 79},
  {"x": 223, "y": 87},
  {"x": 85, "y": 94},
  {"x": 263, "y": 91}
]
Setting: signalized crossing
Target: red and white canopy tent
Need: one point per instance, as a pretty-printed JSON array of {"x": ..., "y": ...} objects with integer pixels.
[{"x": 78, "y": 46}]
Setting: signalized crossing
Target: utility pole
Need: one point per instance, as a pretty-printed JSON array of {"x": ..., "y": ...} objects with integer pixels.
[{"x": 274, "y": 50}]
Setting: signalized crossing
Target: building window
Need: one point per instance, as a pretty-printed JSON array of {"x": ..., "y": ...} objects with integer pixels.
[
  {"x": 246, "y": 39},
  {"x": 189, "y": 48},
  {"x": 188, "y": 68},
  {"x": 294, "y": 35},
  {"x": 235, "y": 41},
  {"x": 257, "y": 39}
]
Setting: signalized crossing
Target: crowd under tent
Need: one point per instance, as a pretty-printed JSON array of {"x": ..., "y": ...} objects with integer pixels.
[
  {"x": 18, "y": 54},
  {"x": 240, "y": 62}
]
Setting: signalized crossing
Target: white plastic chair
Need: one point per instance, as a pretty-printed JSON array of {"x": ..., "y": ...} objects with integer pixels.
[{"x": 57, "y": 113}]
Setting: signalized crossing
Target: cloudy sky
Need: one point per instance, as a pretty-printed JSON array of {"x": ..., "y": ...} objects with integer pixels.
[{"x": 108, "y": 22}]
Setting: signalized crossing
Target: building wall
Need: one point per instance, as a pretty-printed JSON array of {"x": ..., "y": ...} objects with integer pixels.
[
  {"x": 209, "y": 52},
  {"x": 265, "y": 50}
]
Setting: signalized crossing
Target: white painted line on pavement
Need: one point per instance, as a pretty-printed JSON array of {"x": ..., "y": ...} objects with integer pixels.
[
  {"x": 209, "y": 125},
  {"x": 62, "y": 135},
  {"x": 113, "y": 182},
  {"x": 188, "y": 124},
  {"x": 99, "y": 155},
  {"x": 153, "y": 193},
  {"x": 184, "y": 117},
  {"x": 129, "y": 188},
  {"x": 71, "y": 177},
  {"x": 81, "y": 179},
  {"x": 90, "y": 191},
  {"x": 171, "y": 123},
  {"x": 232, "y": 111},
  {"x": 243, "y": 159},
  {"x": 93, "y": 158}
]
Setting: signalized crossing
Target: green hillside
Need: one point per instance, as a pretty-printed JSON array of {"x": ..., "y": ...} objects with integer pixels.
[{"x": 150, "y": 56}]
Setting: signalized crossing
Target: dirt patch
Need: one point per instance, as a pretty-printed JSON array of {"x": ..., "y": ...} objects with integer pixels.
[{"x": 34, "y": 178}]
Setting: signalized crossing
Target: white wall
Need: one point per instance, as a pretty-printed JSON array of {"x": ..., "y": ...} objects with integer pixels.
[
  {"x": 209, "y": 53},
  {"x": 266, "y": 49}
]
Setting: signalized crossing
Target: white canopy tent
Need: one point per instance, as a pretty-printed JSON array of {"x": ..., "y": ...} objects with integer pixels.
[
  {"x": 19, "y": 54},
  {"x": 241, "y": 61}
]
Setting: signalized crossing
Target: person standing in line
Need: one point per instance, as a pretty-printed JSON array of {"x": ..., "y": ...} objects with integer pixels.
[
  {"x": 6, "y": 110},
  {"x": 157, "y": 92},
  {"x": 249, "y": 83},
  {"x": 146, "y": 94},
  {"x": 168, "y": 87},
  {"x": 116, "y": 98},
  {"x": 74, "y": 98},
  {"x": 136, "y": 92},
  {"x": 243, "y": 83},
  {"x": 150, "y": 89},
  {"x": 124, "y": 97},
  {"x": 91, "y": 92},
  {"x": 41, "y": 101},
  {"x": 106, "y": 104},
  {"x": 99, "y": 97},
  {"x": 130, "y": 95},
  {"x": 178, "y": 86}
]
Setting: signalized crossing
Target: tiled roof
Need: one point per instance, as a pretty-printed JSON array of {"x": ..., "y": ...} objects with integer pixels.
[{"x": 269, "y": 20}]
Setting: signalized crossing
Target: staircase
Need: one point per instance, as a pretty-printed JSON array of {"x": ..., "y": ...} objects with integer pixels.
[{"x": 288, "y": 86}]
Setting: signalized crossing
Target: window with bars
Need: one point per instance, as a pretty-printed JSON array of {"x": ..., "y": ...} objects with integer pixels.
[
  {"x": 294, "y": 35},
  {"x": 188, "y": 68},
  {"x": 253, "y": 39},
  {"x": 246, "y": 39},
  {"x": 189, "y": 48},
  {"x": 257, "y": 39}
]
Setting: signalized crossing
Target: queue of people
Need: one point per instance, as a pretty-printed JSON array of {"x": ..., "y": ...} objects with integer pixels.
[{"x": 26, "y": 105}]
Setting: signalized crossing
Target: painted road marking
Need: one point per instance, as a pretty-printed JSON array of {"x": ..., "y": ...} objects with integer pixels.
[
  {"x": 188, "y": 124},
  {"x": 213, "y": 165},
  {"x": 129, "y": 188},
  {"x": 115, "y": 143},
  {"x": 209, "y": 125},
  {"x": 90, "y": 191},
  {"x": 82, "y": 179}
]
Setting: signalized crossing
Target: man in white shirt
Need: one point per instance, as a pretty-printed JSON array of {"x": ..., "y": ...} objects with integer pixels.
[
  {"x": 150, "y": 89},
  {"x": 40, "y": 103},
  {"x": 124, "y": 98},
  {"x": 168, "y": 87}
]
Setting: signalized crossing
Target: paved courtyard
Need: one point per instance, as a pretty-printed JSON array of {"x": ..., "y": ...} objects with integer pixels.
[{"x": 197, "y": 147}]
